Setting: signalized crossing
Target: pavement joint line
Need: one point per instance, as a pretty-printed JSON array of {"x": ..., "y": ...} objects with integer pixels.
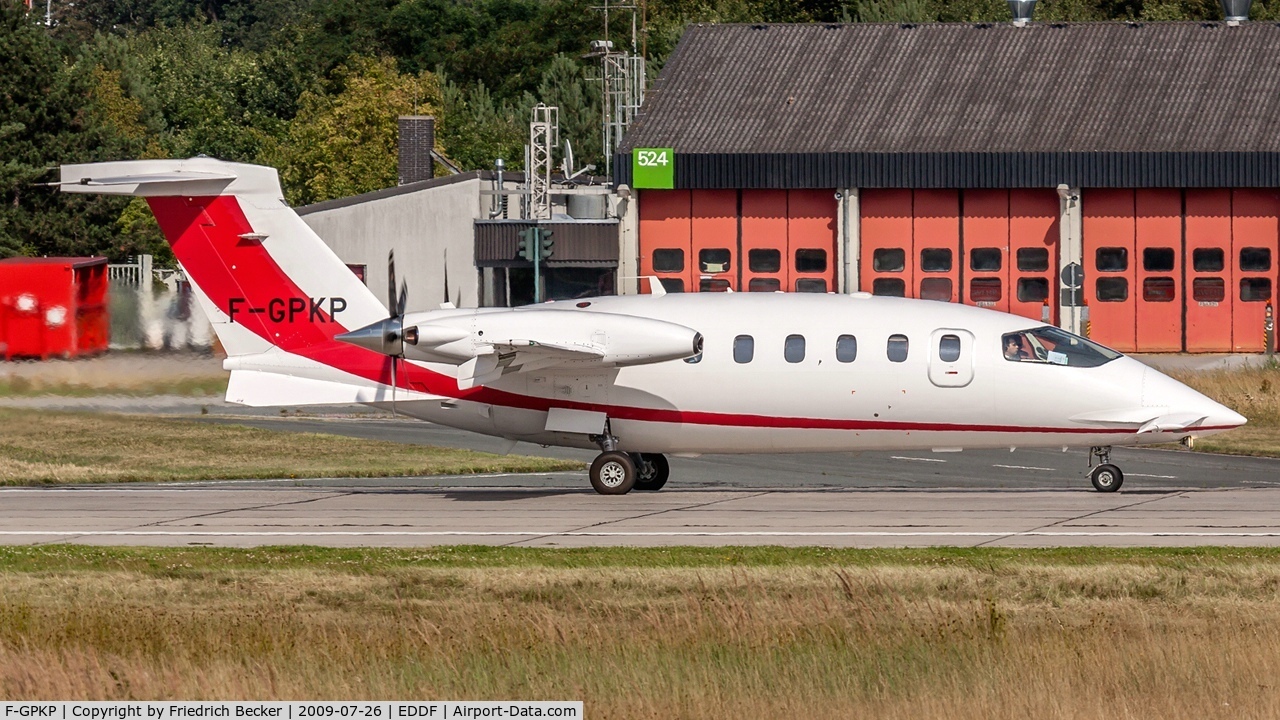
[
  {"x": 1096, "y": 512},
  {"x": 655, "y": 513},
  {"x": 303, "y": 501},
  {"x": 535, "y": 534}
]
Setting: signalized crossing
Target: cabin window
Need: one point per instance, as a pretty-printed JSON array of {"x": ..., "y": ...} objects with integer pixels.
[
  {"x": 1158, "y": 259},
  {"x": 811, "y": 260},
  {"x": 1207, "y": 260},
  {"x": 670, "y": 260},
  {"x": 793, "y": 349},
  {"x": 764, "y": 285},
  {"x": 846, "y": 348},
  {"x": 935, "y": 260},
  {"x": 714, "y": 260},
  {"x": 1033, "y": 259},
  {"x": 897, "y": 349},
  {"x": 1112, "y": 259},
  {"x": 889, "y": 260},
  {"x": 949, "y": 348},
  {"x": 744, "y": 349},
  {"x": 764, "y": 260},
  {"x": 936, "y": 288}
]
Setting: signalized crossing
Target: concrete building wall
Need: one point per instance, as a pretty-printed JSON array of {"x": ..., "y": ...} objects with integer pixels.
[{"x": 423, "y": 226}]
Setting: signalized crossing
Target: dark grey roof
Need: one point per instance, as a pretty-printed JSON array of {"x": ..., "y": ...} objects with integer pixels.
[{"x": 951, "y": 88}]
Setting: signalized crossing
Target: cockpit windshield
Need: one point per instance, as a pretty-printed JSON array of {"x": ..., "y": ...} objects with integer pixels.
[{"x": 1055, "y": 346}]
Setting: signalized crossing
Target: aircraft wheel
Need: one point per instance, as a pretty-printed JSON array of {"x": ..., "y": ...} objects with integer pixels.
[
  {"x": 613, "y": 473},
  {"x": 652, "y": 470},
  {"x": 1106, "y": 478}
]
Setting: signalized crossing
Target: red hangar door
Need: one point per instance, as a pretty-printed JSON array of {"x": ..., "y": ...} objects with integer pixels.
[
  {"x": 993, "y": 248},
  {"x": 740, "y": 240},
  {"x": 1169, "y": 270}
]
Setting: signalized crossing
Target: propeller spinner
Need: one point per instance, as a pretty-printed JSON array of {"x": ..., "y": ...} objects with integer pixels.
[{"x": 387, "y": 336}]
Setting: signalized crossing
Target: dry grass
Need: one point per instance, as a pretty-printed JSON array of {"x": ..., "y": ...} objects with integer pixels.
[
  {"x": 806, "y": 633},
  {"x": 63, "y": 447},
  {"x": 1253, "y": 392},
  {"x": 116, "y": 373}
]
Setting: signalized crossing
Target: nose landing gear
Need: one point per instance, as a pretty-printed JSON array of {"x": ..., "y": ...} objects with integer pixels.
[{"x": 1104, "y": 476}]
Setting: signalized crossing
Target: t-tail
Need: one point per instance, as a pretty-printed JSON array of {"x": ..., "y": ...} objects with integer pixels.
[{"x": 275, "y": 293}]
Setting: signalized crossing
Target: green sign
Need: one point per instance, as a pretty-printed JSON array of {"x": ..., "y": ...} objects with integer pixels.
[{"x": 653, "y": 168}]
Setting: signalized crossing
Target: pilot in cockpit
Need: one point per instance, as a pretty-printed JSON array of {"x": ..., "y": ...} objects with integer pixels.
[{"x": 1013, "y": 349}]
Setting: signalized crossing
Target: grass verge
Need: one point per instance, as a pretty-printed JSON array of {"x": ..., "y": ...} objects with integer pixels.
[
  {"x": 674, "y": 632},
  {"x": 39, "y": 447},
  {"x": 1253, "y": 392}
]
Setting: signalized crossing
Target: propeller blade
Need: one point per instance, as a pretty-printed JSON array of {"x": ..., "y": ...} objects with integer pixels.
[
  {"x": 393, "y": 385},
  {"x": 392, "y": 303},
  {"x": 404, "y": 298}
]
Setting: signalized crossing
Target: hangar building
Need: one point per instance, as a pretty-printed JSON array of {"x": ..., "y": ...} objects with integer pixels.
[{"x": 1115, "y": 178}]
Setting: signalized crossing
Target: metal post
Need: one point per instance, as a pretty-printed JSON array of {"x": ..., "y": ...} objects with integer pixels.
[
  {"x": 1269, "y": 333},
  {"x": 537, "y": 265}
]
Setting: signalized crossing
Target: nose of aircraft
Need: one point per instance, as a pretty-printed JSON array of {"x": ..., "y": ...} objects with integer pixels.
[{"x": 1159, "y": 389}]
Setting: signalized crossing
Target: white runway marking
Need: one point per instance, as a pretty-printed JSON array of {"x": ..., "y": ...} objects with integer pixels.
[
  {"x": 1022, "y": 467},
  {"x": 1160, "y": 477},
  {"x": 914, "y": 459},
  {"x": 606, "y": 533}
]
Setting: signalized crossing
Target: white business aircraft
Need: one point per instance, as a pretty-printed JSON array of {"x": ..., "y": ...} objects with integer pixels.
[{"x": 640, "y": 377}]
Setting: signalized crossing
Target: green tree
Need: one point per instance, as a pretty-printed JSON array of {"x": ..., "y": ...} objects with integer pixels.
[
  {"x": 345, "y": 143},
  {"x": 565, "y": 85},
  {"x": 474, "y": 129}
]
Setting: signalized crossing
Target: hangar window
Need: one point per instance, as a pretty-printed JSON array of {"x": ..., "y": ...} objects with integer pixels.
[
  {"x": 668, "y": 260},
  {"x": 935, "y": 260},
  {"x": 1255, "y": 289},
  {"x": 846, "y": 348},
  {"x": 744, "y": 348},
  {"x": 986, "y": 259},
  {"x": 949, "y": 348},
  {"x": 764, "y": 260},
  {"x": 713, "y": 285},
  {"x": 672, "y": 285},
  {"x": 1158, "y": 259},
  {"x": 985, "y": 290},
  {"x": 811, "y": 260},
  {"x": 1159, "y": 289},
  {"x": 1112, "y": 259},
  {"x": 811, "y": 285},
  {"x": 793, "y": 349},
  {"x": 897, "y": 349},
  {"x": 1112, "y": 289},
  {"x": 714, "y": 260},
  {"x": 890, "y": 287},
  {"x": 1207, "y": 260},
  {"x": 1033, "y": 289},
  {"x": 764, "y": 285},
  {"x": 1208, "y": 290},
  {"x": 936, "y": 289},
  {"x": 358, "y": 271},
  {"x": 1255, "y": 259},
  {"x": 1033, "y": 259},
  {"x": 889, "y": 260}
]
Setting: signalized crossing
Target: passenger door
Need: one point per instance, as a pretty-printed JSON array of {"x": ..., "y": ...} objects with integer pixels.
[{"x": 951, "y": 358}]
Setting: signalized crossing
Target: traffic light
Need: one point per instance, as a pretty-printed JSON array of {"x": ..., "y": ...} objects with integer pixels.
[
  {"x": 528, "y": 245},
  {"x": 546, "y": 245}
]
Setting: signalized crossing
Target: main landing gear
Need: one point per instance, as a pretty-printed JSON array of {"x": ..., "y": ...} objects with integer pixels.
[
  {"x": 1104, "y": 476},
  {"x": 618, "y": 473}
]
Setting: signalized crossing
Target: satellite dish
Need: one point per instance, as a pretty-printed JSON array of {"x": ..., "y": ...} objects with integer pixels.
[{"x": 568, "y": 159}]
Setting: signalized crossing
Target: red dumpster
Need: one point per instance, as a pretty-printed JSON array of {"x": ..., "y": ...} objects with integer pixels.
[{"x": 53, "y": 307}]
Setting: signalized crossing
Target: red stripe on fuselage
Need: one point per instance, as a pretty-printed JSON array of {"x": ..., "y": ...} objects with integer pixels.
[{"x": 205, "y": 235}]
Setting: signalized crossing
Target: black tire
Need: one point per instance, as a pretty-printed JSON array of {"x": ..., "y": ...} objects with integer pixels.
[
  {"x": 652, "y": 471},
  {"x": 613, "y": 473},
  {"x": 1106, "y": 478}
]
